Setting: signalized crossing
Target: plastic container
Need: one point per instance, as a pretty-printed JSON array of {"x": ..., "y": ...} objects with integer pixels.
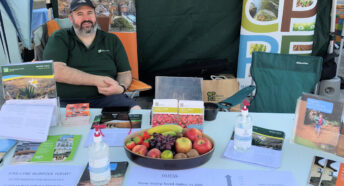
[
  {"x": 99, "y": 164},
  {"x": 210, "y": 111},
  {"x": 243, "y": 130}
]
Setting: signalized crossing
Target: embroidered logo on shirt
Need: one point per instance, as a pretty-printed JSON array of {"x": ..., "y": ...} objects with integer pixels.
[
  {"x": 102, "y": 50},
  {"x": 301, "y": 63}
]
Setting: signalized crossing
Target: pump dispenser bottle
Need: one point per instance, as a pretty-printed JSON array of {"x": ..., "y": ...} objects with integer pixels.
[
  {"x": 243, "y": 130},
  {"x": 99, "y": 164}
]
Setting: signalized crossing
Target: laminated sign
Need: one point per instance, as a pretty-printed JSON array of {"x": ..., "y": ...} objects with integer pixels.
[{"x": 274, "y": 26}]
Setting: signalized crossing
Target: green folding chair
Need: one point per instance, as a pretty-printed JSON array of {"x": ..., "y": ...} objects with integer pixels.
[
  {"x": 235, "y": 99},
  {"x": 280, "y": 80}
]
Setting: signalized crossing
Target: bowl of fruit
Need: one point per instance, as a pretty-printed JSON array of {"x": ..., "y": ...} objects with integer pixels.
[{"x": 169, "y": 147}]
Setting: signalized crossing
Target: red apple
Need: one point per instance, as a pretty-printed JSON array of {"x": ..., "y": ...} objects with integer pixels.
[
  {"x": 183, "y": 145},
  {"x": 154, "y": 153},
  {"x": 193, "y": 134},
  {"x": 202, "y": 145},
  {"x": 140, "y": 150}
]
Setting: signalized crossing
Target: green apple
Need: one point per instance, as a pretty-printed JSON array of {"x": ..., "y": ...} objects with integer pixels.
[{"x": 167, "y": 154}]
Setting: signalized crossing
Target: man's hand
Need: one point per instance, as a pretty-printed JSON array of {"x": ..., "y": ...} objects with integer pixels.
[
  {"x": 105, "y": 85},
  {"x": 109, "y": 86}
]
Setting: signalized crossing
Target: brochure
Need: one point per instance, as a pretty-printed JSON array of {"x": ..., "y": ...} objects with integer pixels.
[
  {"x": 317, "y": 123},
  {"x": 26, "y": 122},
  {"x": 31, "y": 81},
  {"x": 77, "y": 114},
  {"x": 118, "y": 126},
  {"x": 266, "y": 148},
  {"x": 57, "y": 149},
  {"x": 118, "y": 170},
  {"x": 326, "y": 172},
  {"x": 5, "y": 146}
]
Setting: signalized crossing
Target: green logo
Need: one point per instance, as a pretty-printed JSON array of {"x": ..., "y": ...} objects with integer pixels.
[
  {"x": 211, "y": 96},
  {"x": 102, "y": 50}
]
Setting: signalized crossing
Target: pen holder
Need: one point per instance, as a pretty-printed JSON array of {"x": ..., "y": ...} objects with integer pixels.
[{"x": 210, "y": 111}]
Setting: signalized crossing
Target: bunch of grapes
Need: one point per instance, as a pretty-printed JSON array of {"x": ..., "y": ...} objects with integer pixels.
[{"x": 162, "y": 142}]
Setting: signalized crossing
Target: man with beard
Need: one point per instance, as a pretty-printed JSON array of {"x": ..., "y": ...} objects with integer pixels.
[{"x": 91, "y": 66}]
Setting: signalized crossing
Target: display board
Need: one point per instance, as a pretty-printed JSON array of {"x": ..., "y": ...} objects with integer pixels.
[{"x": 275, "y": 26}]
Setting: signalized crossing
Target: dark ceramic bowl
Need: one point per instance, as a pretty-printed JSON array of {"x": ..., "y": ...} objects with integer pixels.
[{"x": 173, "y": 164}]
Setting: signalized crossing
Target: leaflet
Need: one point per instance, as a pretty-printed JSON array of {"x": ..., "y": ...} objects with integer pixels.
[
  {"x": 118, "y": 127},
  {"x": 5, "y": 146},
  {"x": 26, "y": 122},
  {"x": 266, "y": 148},
  {"x": 58, "y": 148}
]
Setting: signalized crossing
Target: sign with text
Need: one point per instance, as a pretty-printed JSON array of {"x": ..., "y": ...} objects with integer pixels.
[
  {"x": 57, "y": 175},
  {"x": 208, "y": 177}
]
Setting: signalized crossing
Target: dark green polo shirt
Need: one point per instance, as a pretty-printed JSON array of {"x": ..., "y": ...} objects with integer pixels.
[{"x": 106, "y": 56}]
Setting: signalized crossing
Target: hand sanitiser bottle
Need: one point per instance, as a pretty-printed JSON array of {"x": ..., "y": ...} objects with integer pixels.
[
  {"x": 243, "y": 130},
  {"x": 98, "y": 154}
]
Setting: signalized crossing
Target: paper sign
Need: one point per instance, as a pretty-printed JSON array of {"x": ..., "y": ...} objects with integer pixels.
[
  {"x": 208, "y": 177},
  {"x": 57, "y": 175}
]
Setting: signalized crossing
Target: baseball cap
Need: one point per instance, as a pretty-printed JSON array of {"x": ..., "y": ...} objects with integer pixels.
[{"x": 77, "y": 3}]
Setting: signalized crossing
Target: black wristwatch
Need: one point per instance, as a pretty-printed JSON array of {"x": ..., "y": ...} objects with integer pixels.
[{"x": 124, "y": 88}]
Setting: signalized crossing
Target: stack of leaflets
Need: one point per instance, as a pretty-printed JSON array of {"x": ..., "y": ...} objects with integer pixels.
[
  {"x": 56, "y": 148},
  {"x": 77, "y": 114},
  {"x": 318, "y": 123},
  {"x": 266, "y": 148},
  {"x": 5, "y": 146},
  {"x": 326, "y": 172},
  {"x": 118, "y": 170},
  {"x": 118, "y": 127},
  {"x": 31, "y": 105}
]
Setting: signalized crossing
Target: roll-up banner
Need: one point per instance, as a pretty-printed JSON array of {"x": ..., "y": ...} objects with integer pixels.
[{"x": 275, "y": 26}]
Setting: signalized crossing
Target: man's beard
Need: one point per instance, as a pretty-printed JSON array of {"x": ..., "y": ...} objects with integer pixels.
[{"x": 85, "y": 32}]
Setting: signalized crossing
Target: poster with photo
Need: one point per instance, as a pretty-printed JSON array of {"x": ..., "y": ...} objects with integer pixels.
[
  {"x": 119, "y": 14},
  {"x": 318, "y": 122},
  {"x": 275, "y": 26}
]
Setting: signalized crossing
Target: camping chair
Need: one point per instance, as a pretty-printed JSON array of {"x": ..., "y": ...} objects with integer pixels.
[
  {"x": 235, "y": 99},
  {"x": 280, "y": 80},
  {"x": 43, "y": 32}
]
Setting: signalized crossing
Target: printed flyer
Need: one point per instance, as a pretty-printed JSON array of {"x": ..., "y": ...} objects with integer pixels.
[
  {"x": 29, "y": 80},
  {"x": 56, "y": 148}
]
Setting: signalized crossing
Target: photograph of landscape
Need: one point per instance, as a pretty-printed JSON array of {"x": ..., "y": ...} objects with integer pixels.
[
  {"x": 29, "y": 88},
  {"x": 120, "y": 14}
]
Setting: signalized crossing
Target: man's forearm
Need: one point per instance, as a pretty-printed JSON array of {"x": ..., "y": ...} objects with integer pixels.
[
  {"x": 65, "y": 74},
  {"x": 124, "y": 78}
]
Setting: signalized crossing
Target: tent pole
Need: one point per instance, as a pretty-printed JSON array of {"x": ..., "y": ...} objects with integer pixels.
[
  {"x": 4, "y": 40},
  {"x": 339, "y": 61},
  {"x": 333, "y": 25}
]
